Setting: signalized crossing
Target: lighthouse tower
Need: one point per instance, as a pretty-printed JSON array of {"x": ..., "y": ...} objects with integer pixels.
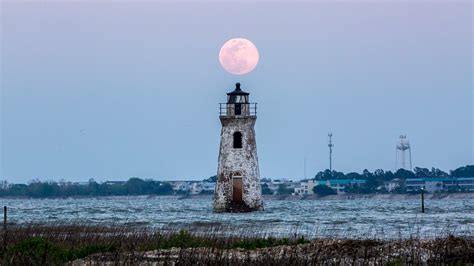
[{"x": 238, "y": 179}]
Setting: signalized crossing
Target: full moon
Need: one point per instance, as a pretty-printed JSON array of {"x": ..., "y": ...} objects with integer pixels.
[{"x": 238, "y": 56}]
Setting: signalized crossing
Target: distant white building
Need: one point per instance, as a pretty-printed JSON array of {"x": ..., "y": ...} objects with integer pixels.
[
  {"x": 181, "y": 186},
  {"x": 291, "y": 185},
  {"x": 208, "y": 187},
  {"x": 106, "y": 183},
  {"x": 195, "y": 188},
  {"x": 340, "y": 185},
  {"x": 4, "y": 184},
  {"x": 202, "y": 187},
  {"x": 392, "y": 184},
  {"x": 434, "y": 184},
  {"x": 305, "y": 187},
  {"x": 275, "y": 184}
]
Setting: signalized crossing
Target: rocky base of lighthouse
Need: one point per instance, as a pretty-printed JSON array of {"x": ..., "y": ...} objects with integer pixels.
[
  {"x": 251, "y": 190},
  {"x": 237, "y": 207}
]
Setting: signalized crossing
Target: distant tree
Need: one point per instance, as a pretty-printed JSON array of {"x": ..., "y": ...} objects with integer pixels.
[
  {"x": 328, "y": 174},
  {"x": 165, "y": 189},
  {"x": 113, "y": 189},
  {"x": 366, "y": 173},
  {"x": 62, "y": 182},
  {"x": 404, "y": 174},
  {"x": 421, "y": 172},
  {"x": 337, "y": 175},
  {"x": 43, "y": 190},
  {"x": 379, "y": 178},
  {"x": 324, "y": 175},
  {"x": 266, "y": 190},
  {"x": 211, "y": 179},
  {"x": 284, "y": 190},
  {"x": 370, "y": 180},
  {"x": 19, "y": 189},
  {"x": 379, "y": 173},
  {"x": 464, "y": 171},
  {"x": 435, "y": 172},
  {"x": 137, "y": 186},
  {"x": 425, "y": 172},
  {"x": 93, "y": 188},
  {"x": 389, "y": 176},
  {"x": 34, "y": 180},
  {"x": 353, "y": 175},
  {"x": 323, "y": 190}
]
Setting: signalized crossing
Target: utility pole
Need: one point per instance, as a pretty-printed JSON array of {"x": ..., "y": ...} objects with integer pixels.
[
  {"x": 4, "y": 228},
  {"x": 330, "y": 145},
  {"x": 422, "y": 199}
]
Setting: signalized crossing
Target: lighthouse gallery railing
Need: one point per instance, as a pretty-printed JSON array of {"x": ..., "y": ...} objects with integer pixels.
[{"x": 237, "y": 109}]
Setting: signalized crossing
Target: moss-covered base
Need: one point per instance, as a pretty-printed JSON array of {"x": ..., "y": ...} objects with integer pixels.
[{"x": 237, "y": 207}]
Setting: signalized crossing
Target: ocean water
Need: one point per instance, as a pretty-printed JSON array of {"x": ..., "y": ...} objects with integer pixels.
[{"x": 359, "y": 218}]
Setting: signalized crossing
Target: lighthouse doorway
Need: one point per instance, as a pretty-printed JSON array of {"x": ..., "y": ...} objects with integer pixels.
[{"x": 237, "y": 188}]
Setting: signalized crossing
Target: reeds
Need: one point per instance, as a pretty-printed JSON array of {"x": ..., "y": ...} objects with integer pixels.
[{"x": 81, "y": 244}]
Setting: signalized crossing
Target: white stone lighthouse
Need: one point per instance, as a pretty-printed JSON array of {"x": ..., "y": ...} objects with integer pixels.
[{"x": 238, "y": 179}]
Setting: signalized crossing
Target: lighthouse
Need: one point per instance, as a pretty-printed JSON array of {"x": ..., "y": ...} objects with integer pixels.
[{"x": 238, "y": 179}]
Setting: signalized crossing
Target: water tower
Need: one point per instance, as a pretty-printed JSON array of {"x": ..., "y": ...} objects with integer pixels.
[{"x": 403, "y": 146}]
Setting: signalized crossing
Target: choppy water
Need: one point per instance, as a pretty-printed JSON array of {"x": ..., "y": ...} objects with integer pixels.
[{"x": 359, "y": 218}]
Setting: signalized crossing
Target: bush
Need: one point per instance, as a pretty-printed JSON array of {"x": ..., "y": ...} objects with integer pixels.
[
  {"x": 323, "y": 190},
  {"x": 39, "y": 251}
]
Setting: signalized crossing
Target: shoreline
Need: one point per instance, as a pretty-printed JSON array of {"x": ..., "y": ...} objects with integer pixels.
[
  {"x": 374, "y": 196},
  {"x": 437, "y": 196}
]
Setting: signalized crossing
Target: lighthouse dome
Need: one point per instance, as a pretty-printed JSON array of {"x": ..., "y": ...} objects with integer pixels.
[{"x": 238, "y": 95}]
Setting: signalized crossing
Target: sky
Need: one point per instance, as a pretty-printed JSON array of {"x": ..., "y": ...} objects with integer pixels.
[{"x": 115, "y": 89}]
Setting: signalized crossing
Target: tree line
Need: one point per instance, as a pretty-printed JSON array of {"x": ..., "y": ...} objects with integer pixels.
[
  {"x": 134, "y": 186},
  {"x": 379, "y": 177},
  {"x": 374, "y": 180}
]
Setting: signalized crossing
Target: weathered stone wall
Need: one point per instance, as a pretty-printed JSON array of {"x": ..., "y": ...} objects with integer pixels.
[{"x": 243, "y": 161}]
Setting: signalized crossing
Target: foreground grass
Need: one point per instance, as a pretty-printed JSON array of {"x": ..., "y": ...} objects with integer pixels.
[{"x": 77, "y": 245}]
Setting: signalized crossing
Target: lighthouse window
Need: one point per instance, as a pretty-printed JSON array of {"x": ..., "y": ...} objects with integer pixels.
[
  {"x": 238, "y": 109},
  {"x": 237, "y": 140}
]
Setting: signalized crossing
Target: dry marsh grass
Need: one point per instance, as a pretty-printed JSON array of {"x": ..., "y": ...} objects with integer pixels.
[{"x": 95, "y": 245}]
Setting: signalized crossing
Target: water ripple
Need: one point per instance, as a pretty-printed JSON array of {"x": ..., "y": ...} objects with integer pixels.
[{"x": 340, "y": 218}]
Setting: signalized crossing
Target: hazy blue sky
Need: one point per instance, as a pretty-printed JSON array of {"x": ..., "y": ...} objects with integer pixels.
[{"x": 118, "y": 89}]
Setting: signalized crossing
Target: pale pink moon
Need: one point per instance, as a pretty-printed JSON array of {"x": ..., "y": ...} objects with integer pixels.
[{"x": 238, "y": 56}]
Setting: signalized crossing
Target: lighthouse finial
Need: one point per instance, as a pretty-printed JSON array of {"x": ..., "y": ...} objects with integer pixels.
[{"x": 237, "y": 86}]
